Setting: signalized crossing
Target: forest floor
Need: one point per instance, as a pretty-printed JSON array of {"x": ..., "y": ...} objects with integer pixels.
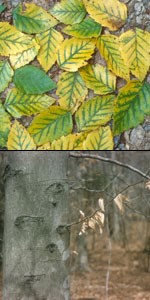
[{"x": 128, "y": 278}]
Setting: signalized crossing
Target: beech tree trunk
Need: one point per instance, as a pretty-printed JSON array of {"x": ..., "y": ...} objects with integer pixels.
[
  {"x": 36, "y": 240},
  {"x": 13, "y": 3}
]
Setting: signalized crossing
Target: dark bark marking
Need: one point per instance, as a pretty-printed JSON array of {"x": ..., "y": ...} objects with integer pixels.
[
  {"x": 22, "y": 221},
  {"x": 55, "y": 188},
  {"x": 33, "y": 278},
  {"x": 52, "y": 247},
  {"x": 61, "y": 229},
  {"x": 8, "y": 172},
  {"x": 54, "y": 203}
]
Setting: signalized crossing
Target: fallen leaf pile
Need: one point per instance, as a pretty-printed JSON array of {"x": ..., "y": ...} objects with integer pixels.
[{"x": 72, "y": 120}]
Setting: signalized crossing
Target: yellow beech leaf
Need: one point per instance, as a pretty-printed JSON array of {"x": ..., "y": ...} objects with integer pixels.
[
  {"x": 32, "y": 19},
  {"x": 46, "y": 146},
  {"x": 99, "y": 79},
  {"x": 49, "y": 42},
  {"x": 74, "y": 53},
  {"x": 23, "y": 58},
  {"x": 19, "y": 138},
  {"x": 4, "y": 126},
  {"x": 71, "y": 89},
  {"x": 109, "y": 48},
  {"x": 19, "y": 104},
  {"x": 135, "y": 47},
  {"x": 95, "y": 112},
  {"x": 50, "y": 125},
  {"x": 100, "y": 139},
  {"x": 69, "y": 142},
  {"x": 69, "y": 11},
  {"x": 6, "y": 74},
  {"x": 111, "y": 14},
  {"x": 13, "y": 41}
]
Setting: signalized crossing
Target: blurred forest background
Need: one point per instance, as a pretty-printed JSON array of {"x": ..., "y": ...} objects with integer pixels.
[{"x": 112, "y": 260}]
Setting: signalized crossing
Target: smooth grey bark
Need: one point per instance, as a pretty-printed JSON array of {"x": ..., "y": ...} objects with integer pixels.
[
  {"x": 36, "y": 241},
  {"x": 13, "y": 3}
]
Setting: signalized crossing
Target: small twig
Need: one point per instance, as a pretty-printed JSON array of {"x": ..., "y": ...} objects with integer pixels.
[
  {"x": 136, "y": 211},
  {"x": 112, "y": 199},
  {"x": 129, "y": 186},
  {"x": 95, "y": 191},
  {"x": 101, "y": 158},
  {"x": 85, "y": 219}
]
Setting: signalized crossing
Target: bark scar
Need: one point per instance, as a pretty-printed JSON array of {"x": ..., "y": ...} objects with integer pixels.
[
  {"x": 61, "y": 229},
  {"x": 51, "y": 247},
  {"x": 8, "y": 172},
  {"x": 55, "y": 188},
  {"x": 28, "y": 220},
  {"x": 32, "y": 278}
]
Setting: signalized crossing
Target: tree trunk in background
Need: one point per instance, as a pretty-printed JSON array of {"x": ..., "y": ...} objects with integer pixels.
[
  {"x": 36, "y": 241},
  {"x": 82, "y": 261},
  {"x": 116, "y": 219}
]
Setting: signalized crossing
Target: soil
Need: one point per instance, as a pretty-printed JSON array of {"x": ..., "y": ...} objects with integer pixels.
[{"x": 121, "y": 265}]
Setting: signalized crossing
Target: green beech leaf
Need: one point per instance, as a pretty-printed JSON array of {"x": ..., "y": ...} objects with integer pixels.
[
  {"x": 132, "y": 104},
  {"x": 4, "y": 126},
  {"x": 88, "y": 28},
  {"x": 32, "y": 80},
  {"x": 6, "y": 73},
  {"x": 50, "y": 125},
  {"x": 2, "y": 8}
]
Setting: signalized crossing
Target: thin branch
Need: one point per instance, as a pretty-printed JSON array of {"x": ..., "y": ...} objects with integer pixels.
[
  {"x": 85, "y": 219},
  {"x": 137, "y": 211},
  {"x": 104, "y": 189},
  {"x": 127, "y": 187},
  {"x": 112, "y": 199},
  {"x": 101, "y": 158}
]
